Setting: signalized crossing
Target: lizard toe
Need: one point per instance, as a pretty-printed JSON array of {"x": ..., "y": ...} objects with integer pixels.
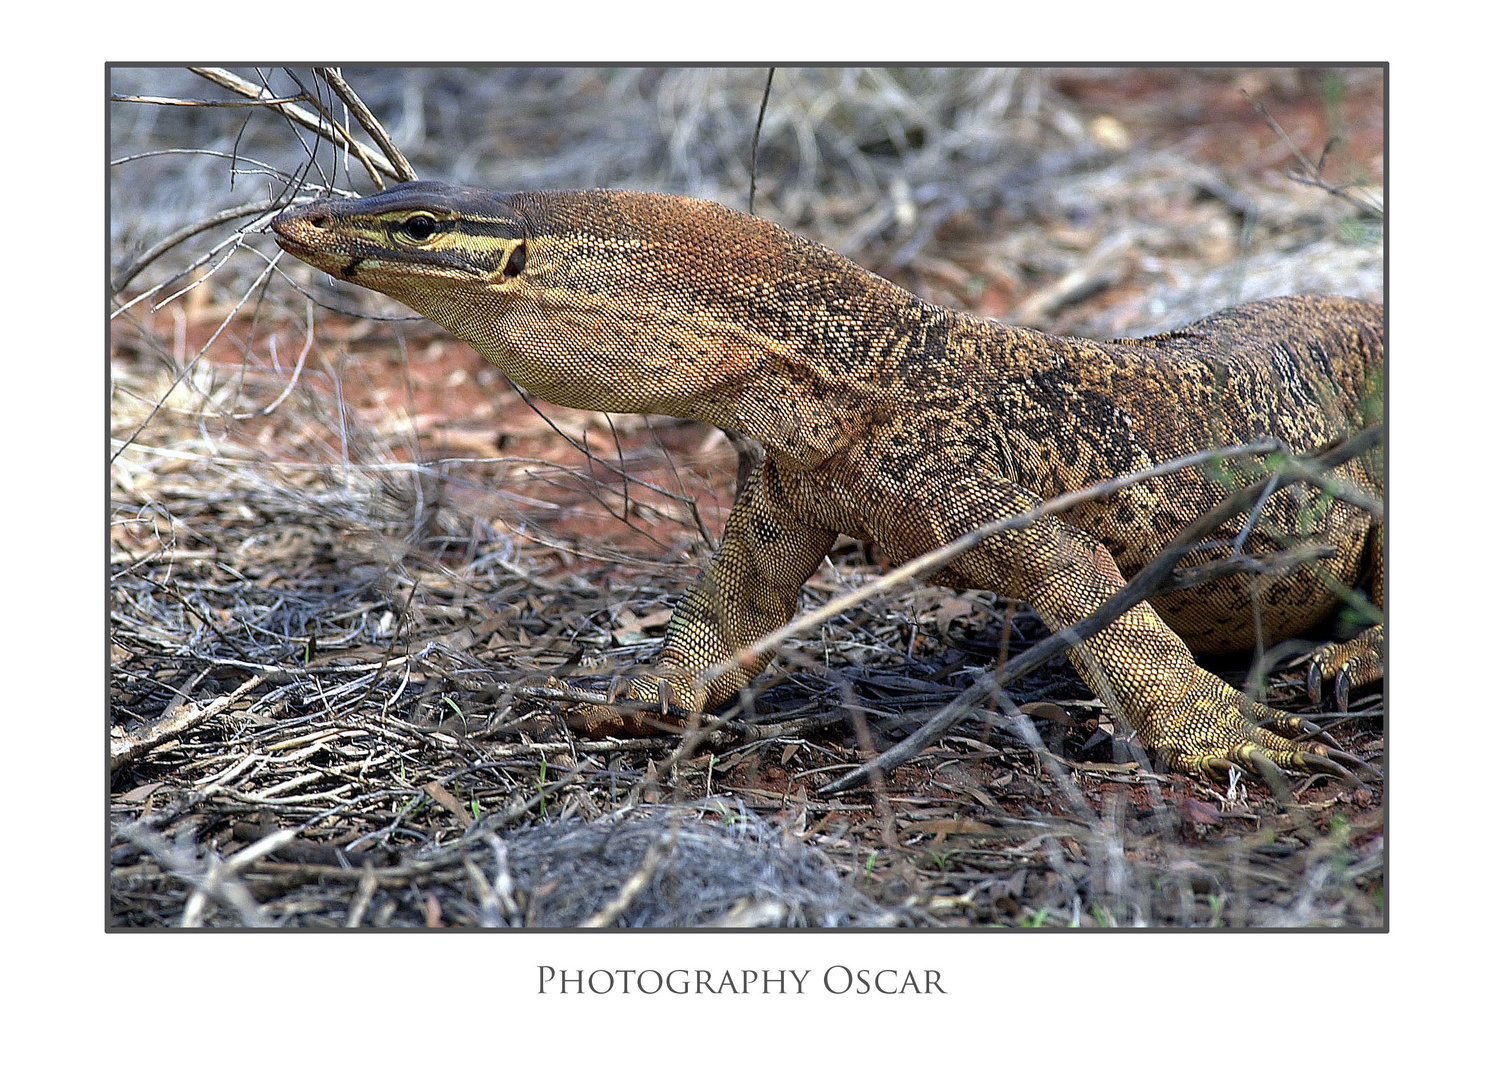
[
  {"x": 1295, "y": 728},
  {"x": 1262, "y": 762},
  {"x": 1269, "y": 761},
  {"x": 1357, "y": 766},
  {"x": 611, "y": 721}
]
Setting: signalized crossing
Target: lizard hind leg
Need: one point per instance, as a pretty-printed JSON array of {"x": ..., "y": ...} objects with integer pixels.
[{"x": 1351, "y": 664}]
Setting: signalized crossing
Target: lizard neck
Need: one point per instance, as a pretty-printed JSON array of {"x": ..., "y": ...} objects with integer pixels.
[{"x": 676, "y": 306}]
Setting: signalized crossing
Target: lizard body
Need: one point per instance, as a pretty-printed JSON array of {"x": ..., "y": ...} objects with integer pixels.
[{"x": 893, "y": 420}]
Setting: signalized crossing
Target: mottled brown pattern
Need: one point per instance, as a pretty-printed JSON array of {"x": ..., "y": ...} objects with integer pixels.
[{"x": 896, "y": 421}]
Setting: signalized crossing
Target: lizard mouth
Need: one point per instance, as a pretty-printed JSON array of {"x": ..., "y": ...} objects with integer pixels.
[
  {"x": 304, "y": 236},
  {"x": 301, "y": 235}
]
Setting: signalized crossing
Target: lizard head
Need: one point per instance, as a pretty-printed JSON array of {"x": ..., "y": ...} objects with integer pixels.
[{"x": 415, "y": 242}]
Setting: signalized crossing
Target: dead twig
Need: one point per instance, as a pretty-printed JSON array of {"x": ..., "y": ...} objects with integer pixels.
[
  {"x": 1312, "y": 172},
  {"x": 186, "y": 232},
  {"x": 327, "y": 129},
  {"x": 333, "y": 78},
  {"x": 653, "y": 858},
  {"x": 955, "y": 548},
  {"x": 182, "y": 719},
  {"x": 143, "y": 99}
]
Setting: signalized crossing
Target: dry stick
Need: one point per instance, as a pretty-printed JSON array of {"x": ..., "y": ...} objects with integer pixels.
[
  {"x": 225, "y": 888},
  {"x": 1143, "y": 584},
  {"x": 1335, "y": 486},
  {"x": 295, "y": 377},
  {"x": 1314, "y": 172},
  {"x": 652, "y": 860},
  {"x": 222, "y": 877},
  {"x": 756, "y": 132},
  {"x": 123, "y": 751},
  {"x": 188, "y": 367},
  {"x": 371, "y": 157},
  {"x": 1279, "y": 562},
  {"x": 234, "y": 241},
  {"x": 333, "y": 78},
  {"x": 186, "y": 232},
  {"x": 361, "y": 898},
  {"x": 359, "y": 150},
  {"x": 141, "y": 99},
  {"x": 490, "y": 910}
]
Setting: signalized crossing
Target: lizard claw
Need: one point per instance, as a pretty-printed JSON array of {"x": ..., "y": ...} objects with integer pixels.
[
  {"x": 1315, "y": 682},
  {"x": 1351, "y": 664},
  {"x": 1296, "y": 728},
  {"x": 1259, "y": 761},
  {"x": 1268, "y": 762},
  {"x": 1340, "y": 685}
]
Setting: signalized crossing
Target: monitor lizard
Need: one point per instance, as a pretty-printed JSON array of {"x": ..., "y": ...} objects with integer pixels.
[{"x": 891, "y": 419}]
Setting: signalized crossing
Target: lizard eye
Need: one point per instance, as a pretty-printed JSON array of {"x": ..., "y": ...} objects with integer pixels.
[
  {"x": 420, "y": 227},
  {"x": 516, "y": 260}
]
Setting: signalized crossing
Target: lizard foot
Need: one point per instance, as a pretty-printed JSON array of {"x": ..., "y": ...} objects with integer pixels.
[
  {"x": 611, "y": 721},
  {"x": 1214, "y": 731},
  {"x": 1349, "y": 665}
]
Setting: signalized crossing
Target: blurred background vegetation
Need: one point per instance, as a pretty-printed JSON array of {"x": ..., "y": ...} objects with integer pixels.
[{"x": 1162, "y": 189}]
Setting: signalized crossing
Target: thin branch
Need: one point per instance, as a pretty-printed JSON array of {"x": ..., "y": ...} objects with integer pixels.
[
  {"x": 756, "y": 132},
  {"x": 955, "y": 548},
  {"x": 333, "y": 78},
  {"x": 188, "y": 367},
  {"x": 653, "y": 858},
  {"x": 1143, "y": 584},
  {"x": 358, "y": 149},
  {"x": 180, "y": 720},
  {"x": 1312, "y": 174},
  {"x": 186, "y": 232},
  {"x": 140, "y": 99},
  {"x": 325, "y": 129}
]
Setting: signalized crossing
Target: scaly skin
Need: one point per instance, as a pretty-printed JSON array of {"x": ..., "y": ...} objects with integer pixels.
[{"x": 896, "y": 421}]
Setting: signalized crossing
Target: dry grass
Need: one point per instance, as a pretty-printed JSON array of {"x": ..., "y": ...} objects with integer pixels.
[{"x": 342, "y": 547}]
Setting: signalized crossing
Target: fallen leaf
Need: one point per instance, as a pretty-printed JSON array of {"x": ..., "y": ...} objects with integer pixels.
[
  {"x": 449, "y": 801},
  {"x": 1046, "y": 710},
  {"x": 1197, "y": 813}
]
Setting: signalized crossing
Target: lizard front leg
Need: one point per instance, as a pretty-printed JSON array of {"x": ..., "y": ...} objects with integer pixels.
[{"x": 750, "y": 588}]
